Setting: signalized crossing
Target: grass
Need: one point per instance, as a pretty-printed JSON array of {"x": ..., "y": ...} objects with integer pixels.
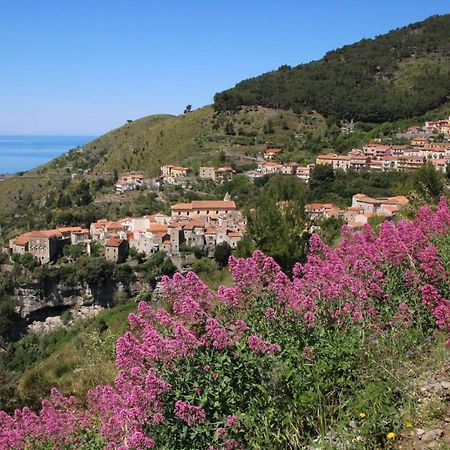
[
  {"x": 79, "y": 357},
  {"x": 217, "y": 277}
]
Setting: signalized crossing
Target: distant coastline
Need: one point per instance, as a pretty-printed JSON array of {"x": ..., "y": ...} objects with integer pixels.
[{"x": 24, "y": 152}]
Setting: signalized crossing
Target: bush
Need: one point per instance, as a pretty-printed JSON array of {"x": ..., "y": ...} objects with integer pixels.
[
  {"x": 204, "y": 265},
  {"x": 221, "y": 254},
  {"x": 96, "y": 271}
]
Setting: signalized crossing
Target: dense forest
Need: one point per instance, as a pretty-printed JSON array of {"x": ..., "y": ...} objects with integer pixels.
[{"x": 401, "y": 74}]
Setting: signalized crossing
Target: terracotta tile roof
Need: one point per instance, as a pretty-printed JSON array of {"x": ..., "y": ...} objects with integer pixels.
[
  {"x": 204, "y": 204},
  {"x": 81, "y": 231},
  {"x": 182, "y": 206},
  {"x": 114, "y": 242},
  {"x": 23, "y": 239},
  {"x": 377, "y": 145},
  {"x": 45, "y": 234},
  {"x": 157, "y": 228},
  {"x": 314, "y": 206},
  {"x": 234, "y": 234},
  {"x": 194, "y": 224},
  {"x": 213, "y": 204},
  {"x": 68, "y": 229},
  {"x": 334, "y": 156},
  {"x": 367, "y": 199},
  {"x": 114, "y": 226},
  {"x": 399, "y": 199},
  {"x": 273, "y": 151},
  {"x": 270, "y": 164}
]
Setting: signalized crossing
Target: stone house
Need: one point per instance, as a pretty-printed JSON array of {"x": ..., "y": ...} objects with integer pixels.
[
  {"x": 116, "y": 250},
  {"x": 47, "y": 245},
  {"x": 269, "y": 167}
]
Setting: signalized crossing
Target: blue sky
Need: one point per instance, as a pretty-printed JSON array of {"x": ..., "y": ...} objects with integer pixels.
[{"x": 86, "y": 66}]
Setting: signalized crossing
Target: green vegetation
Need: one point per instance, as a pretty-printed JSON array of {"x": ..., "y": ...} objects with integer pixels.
[
  {"x": 401, "y": 74},
  {"x": 74, "y": 358},
  {"x": 276, "y": 223}
]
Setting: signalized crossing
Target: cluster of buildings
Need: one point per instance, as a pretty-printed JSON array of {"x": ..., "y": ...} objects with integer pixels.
[
  {"x": 358, "y": 214},
  {"x": 439, "y": 126},
  {"x": 47, "y": 245},
  {"x": 289, "y": 168},
  {"x": 220, "y": 175},
  {"x": 129, "y": 182},
  {"x": 201, "y": 223},
  {"x": 382, "y": 157},
  {"x": 171, "y": 174}
]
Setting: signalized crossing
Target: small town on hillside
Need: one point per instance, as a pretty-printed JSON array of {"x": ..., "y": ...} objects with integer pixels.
[
  {"x": 424, "y": 148},
  {"x": 207, "y": 223},
  {"x": 202, "y": 224}
]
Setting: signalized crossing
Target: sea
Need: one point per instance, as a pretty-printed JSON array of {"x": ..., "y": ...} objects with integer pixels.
[{"x": 21, "y": 153}]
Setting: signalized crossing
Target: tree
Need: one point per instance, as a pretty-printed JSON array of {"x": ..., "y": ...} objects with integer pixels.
[
  {"x": 429, "y": 182},
  {"x": 27, "y": 260},
  {"x": 245, "y": 247},
  {"x": 204, "y": 266},
  {"x": 158, "y": 264},
  {"x": 74, "y": 251},
  {"x": 221, "y": 254},
  {"x": 96, "y": 271},
  {"x": 125, "y": 274},
  {"x": 268, "y": 127},
  {"x": 8, "y": 316},
  {"x": 82, "y": 194},
  {"x": 322, "y": 177},
  {"x": 276, "y": 225}
]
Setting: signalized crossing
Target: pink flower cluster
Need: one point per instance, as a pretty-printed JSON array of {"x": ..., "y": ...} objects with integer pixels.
[
  {"x": 342, "y": 286},
  {"x": 258, "y": 345},
  {"x": 60, "y": 420},
  {"x": 188, "y": 413}
]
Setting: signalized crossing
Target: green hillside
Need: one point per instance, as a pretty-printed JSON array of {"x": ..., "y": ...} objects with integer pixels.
[
  {"x": 200, "y": 136},
  {"x": 401, "y": 74},
  {"x": 197, "y": 138}
]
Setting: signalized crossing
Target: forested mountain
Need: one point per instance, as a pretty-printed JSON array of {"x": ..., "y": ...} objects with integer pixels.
[{"x": 401, "y": 74}]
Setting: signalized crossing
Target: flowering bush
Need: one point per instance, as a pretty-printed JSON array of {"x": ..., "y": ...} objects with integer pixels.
[{"x": 267, "y": 362}]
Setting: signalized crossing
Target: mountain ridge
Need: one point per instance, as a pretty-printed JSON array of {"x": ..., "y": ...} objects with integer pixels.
[{"x": 366, "y": 81}]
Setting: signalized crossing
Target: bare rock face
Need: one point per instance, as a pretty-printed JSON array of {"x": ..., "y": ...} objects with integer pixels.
[
  {"x": 40, "y": 300},
  {"x": 49, "y": 324},
  {"x": 53, "y": 323}
]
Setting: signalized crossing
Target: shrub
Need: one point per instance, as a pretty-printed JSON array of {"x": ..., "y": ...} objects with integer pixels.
[
  {"x": 221, "y": 254},
  {"x": 274, "y": 360}
]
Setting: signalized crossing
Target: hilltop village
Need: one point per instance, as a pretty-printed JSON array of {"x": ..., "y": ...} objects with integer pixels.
[
  {"x": 205, "y": 224},
  {"x": 200, "y": 224}
]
